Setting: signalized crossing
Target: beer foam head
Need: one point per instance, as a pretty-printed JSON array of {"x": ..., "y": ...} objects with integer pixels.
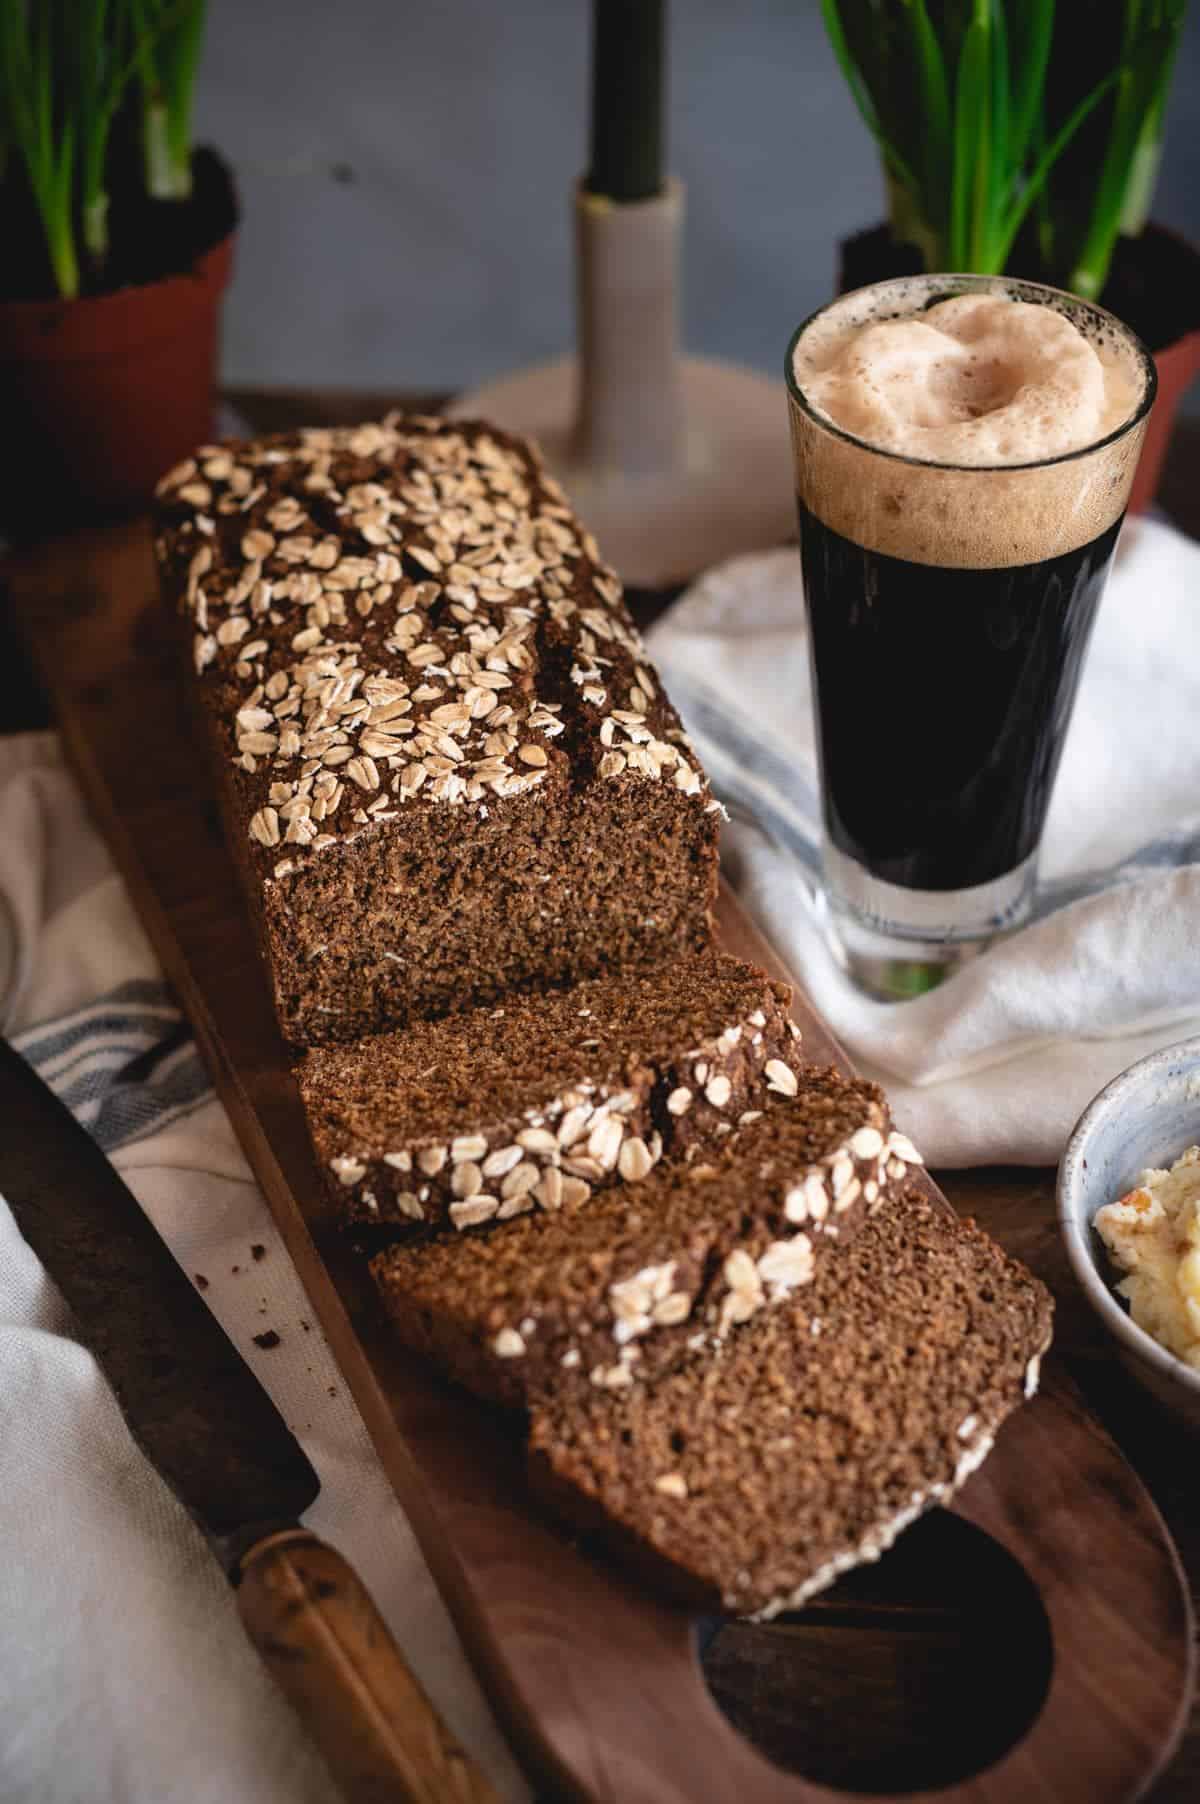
[
  {"x": 976, "y": 379},
  {"x": 971, "y": 375}
]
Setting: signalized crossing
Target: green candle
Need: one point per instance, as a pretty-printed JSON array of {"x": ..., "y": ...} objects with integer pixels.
[{"x": 627, "y": 99}]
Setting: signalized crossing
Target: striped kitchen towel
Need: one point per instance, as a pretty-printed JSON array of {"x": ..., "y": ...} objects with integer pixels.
[{"x": 998, "y": 1062}]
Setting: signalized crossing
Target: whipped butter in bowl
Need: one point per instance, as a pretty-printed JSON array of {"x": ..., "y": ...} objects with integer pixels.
[
  {"x": 1129, "y": 1211},
  {"x": 1152, "y": 1234}
]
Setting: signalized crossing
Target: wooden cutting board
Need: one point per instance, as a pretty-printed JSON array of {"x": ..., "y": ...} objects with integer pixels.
[{"x": 597, "y": 1684}]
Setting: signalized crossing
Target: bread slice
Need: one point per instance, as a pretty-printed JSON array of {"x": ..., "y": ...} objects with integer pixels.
[
  {"x": 622, "y": 1289},
  {"x": 534, "y": 1103},
  {"x": 749, "y": 1477}
]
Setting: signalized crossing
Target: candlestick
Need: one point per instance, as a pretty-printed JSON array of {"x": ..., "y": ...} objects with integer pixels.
[
  {"x": 674, "y": 462},
  {"x": 627, "y": 99}
]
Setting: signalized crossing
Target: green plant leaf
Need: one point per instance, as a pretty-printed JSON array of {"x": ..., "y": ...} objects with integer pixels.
[
  {"x": 974, "y": 103},
  {"x": 934, "y": 112},
  {"x": 39, "y": 127},
  {"x": 1003, "y": 172},
  {"x": 1144, "y": 163},
  {"x": 1030, "y": 40},
  {"x": 1047, "y": 160},
  {"x": 972, "y": 140},
  {"x": 1135, "y": 85},
  {"x": 168, "y": 36},
  {"x": 895, "y": 161},
  {"x": 186, "y": 46},
  {"x": 97, "y": 84},
  {"x": 831, "y": 13}
]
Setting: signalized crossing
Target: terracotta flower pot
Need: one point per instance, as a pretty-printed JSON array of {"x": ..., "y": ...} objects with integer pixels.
[
  {"x": 1155, "y": 287},
  {"x": 99, "y": 396},
  {"x": 1178, "y": 365}
]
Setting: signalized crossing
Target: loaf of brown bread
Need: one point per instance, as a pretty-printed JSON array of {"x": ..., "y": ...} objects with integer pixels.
[
  {"x": 615, "y": 1293},
  {"x": 752, "y": 1474},
  {"x": 446, "y": 766},
  {"x": 537, "y": 1101},
  {"x": 464, "y": 812}
]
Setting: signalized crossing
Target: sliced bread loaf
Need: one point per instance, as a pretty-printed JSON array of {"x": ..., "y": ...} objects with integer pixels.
[
  {"x": 622, "y": 1289},
  {"x": 749, "y": 1477},
  {"x": 446, "y": 766},
  {"x": 532, "y": 1104}
]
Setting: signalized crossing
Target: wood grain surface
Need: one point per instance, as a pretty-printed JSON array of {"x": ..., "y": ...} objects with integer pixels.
[
  {"x": 599, "y": 1686},
  {"x": 328, "y": 1649}
]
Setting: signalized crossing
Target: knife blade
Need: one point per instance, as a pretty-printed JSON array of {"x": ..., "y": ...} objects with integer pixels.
[{"x": 205, "y": 1422}]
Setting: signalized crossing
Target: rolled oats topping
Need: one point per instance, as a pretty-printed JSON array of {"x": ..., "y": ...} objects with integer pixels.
[
  {"x": 804, "y": 1447},
  {"x": 656, "y": 1267},
  {"x": 635, "y": 1160},
  {"x": 787, "y": 1263},
  {"x": 780, "y": 1077},
  {"x": 671, "y": 1484},
  {"x": 378, "y": 604},
  {"x": 544, "y": 1136},
  {"x": 474, "y": 1211}
]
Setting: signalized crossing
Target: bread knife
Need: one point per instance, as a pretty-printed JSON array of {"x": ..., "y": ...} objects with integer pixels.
[{"x": 207, "y": 1425}]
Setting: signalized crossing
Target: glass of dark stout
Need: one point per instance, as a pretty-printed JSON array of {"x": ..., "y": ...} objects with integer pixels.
[{"x": 950, "y": 597}]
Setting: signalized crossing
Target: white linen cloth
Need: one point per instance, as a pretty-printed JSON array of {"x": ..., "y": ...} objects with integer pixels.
[
  {"x": 997, "y": 1063},
  {"x": 125, "y": 1675}
]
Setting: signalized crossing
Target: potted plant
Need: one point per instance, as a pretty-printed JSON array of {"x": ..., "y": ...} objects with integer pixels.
[
  {"x": 1023, "y": 139},
  {"x": 119, "y": 243}
]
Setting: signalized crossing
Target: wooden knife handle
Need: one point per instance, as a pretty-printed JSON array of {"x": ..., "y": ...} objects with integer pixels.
[{"x": 329, "y": 1650}]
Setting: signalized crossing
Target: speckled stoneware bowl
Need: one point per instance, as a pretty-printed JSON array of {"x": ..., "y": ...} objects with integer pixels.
[{"x": 1145, "y": 1117}]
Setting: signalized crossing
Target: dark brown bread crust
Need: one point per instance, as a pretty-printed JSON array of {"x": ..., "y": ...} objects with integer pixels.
[
  {"x": 615, "y": 1293},
  {"x": 446, "y": 767},
  {"x": 484, "y": 1116},
  {"x": 750, "y": 1477}
]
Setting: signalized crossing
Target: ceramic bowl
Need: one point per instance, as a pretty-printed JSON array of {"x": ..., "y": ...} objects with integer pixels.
[{"x": 1146, "y": 1117}]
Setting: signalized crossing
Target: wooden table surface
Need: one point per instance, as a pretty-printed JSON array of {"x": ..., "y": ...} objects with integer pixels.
[{"x": 937, "y": 1676}]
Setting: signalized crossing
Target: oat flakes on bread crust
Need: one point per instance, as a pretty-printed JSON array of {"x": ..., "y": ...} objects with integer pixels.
[{"x": 422, "y": 686}]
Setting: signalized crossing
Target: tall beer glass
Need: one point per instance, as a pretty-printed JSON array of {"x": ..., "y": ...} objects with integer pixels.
[{"x": 949, "y": 609}]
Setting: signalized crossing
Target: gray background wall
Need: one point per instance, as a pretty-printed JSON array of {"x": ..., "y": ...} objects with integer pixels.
[{"x": 405, "y": 171}]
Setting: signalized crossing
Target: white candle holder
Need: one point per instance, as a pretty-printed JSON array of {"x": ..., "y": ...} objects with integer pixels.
[{"x": 674, "y": 462}]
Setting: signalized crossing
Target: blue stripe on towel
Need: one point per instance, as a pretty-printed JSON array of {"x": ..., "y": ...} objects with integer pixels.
[
  {"x": 748, "y": 775},
  {"x": 125, "y": 1065},
  {"x": 759, "y": 784}
]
